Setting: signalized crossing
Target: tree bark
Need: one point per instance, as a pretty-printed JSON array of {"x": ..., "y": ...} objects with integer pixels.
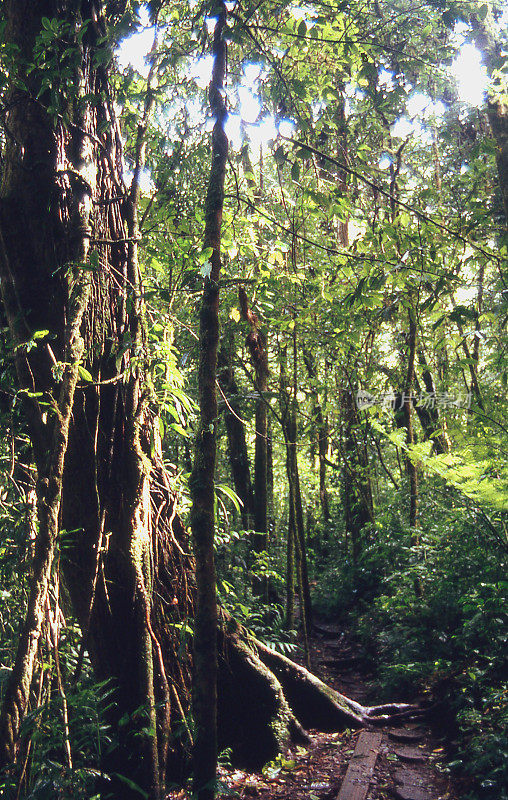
[
  {"x": 322, "y": 437},
  {"x": 296, "y": 520},
  {"x": 235, "y": 431},
  {"x": 408, "y": 422},
  {"x": 497, "y": 106},
  {"x": 67, "y": 221},
  {"x": 256, "y": 343},
  {"x": 357, "y": 491},
  {"x": 280, "y": 698},
  {"x": 202, "y": 482}
]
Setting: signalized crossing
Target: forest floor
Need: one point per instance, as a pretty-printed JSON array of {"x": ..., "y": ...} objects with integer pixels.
[{"x": 401, "y": 763}]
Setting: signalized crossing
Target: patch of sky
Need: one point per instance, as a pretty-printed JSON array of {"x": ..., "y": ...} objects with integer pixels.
[
  {"x": 133, "y": 51},
  {"x": 146, "y": 184},
  {"x": 419, "y": 110},
  {"x": 287, "y": 127},
  {"x": 200, "y": 70},
  {"x": 144, "y": 16},
  {"x": 303, "y": 12},
  {"x": 402, "y": 128},
  {"x": 252, "y": 73},
  {"x": 233, "y": 129},
  {"x": 471, "y": 75},
  {"x": 420, "y": 105},
  {"x": 263, "y": 131},
  {"x": 468, "y": 69},
  {"x": 385, "y": 79},
  {"x": 250, "y": 105}
]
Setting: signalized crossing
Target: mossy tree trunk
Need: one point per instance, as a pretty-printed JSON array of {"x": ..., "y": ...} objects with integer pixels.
[
  {"x": 68, "y": 228},
  {"x": 202, "y": 481}
]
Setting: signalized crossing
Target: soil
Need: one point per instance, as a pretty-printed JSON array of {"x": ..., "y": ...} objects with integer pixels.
[{"x": 407, "y": 766}]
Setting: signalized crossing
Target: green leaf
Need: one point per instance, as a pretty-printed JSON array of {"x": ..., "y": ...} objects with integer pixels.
[
  {"x": 302, "y": 28},
  {"x": 84, "y": 374},
  {"x": 40, "y": 334},
  {"x": 205, "y": 255},
  {"x": 222, "y": 487},
  {"x": 130, "y": 784},
  {"x": 279, "y": 155}
]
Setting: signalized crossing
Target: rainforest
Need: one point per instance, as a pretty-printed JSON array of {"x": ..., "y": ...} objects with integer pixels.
[{"x": 253, "y": 399}]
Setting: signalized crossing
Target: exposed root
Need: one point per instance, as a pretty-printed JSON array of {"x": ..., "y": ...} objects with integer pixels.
[
  {"x": 255, "y": 718},
  {"x": 318, "y": 706}
]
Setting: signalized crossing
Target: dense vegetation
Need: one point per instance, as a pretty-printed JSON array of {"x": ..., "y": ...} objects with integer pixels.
[{"x": 352, "y": 242}]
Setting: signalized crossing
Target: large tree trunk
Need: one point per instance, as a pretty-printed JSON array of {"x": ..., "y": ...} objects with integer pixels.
[
  {"x": 279, "y": 698},
  {"x": 67, "y": 219}
]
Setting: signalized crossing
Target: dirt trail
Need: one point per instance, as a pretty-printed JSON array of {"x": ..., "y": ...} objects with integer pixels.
[{"x": 398, "y": 763}]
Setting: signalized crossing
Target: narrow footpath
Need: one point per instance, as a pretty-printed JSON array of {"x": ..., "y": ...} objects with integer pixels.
[{"x": 377, "y": 764}]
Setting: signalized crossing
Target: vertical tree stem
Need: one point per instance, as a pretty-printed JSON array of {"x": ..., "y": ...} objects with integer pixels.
[{"x": 203, "y": 473}]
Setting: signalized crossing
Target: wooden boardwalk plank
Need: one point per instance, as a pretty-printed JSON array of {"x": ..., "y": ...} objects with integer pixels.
[{"x": 359, "y": 772}]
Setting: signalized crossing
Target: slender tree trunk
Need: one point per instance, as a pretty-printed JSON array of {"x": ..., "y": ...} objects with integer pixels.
[
  {"x": 290, "y": 567},
  {"x": 269, "y": 477},
  {"x": 356, "y": 485},
  {"x": 49, "y": 493},
  {"x": 408, "y": 422},
  {"x": 300, "y": 527},
  {"x": 300, "y": 522},
  {"x": 472, "y": 366},
  {"x": 256, "y": 342},
  {"x": 322, "y": 437},
  {"x": 434, "y": 427},
  {"x": 490, "y": 45},
  {"x": 235, "y": 430},
  {"x": 479, "y": 310},
  {"x": 202, "y": 478},
  {"x": 289, "y": 430}
]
